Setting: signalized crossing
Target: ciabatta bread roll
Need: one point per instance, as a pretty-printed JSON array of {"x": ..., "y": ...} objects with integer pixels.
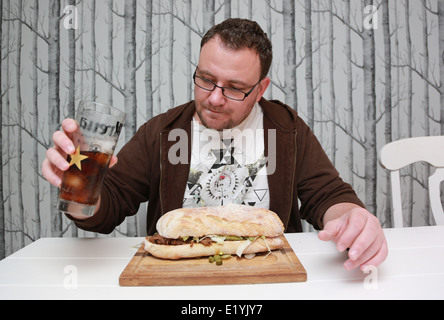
[
  {"x": 230, "y": 220},
  {"x": 231, "y": 229}
]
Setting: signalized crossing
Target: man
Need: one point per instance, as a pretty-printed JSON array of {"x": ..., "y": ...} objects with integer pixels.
[{"x": 286, "y": 163}]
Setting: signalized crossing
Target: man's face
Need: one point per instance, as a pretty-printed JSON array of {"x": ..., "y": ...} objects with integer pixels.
[{"x": 239, "y": 69}]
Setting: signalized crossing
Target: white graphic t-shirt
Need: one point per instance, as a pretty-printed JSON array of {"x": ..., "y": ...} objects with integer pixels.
[{"x": 229, "y": 166}]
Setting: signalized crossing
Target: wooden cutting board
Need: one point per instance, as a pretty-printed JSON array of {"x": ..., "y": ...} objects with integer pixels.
[{"x": 280, "y": 266}]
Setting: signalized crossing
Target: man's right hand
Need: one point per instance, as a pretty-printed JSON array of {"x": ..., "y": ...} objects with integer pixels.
[{"x": 56, "y": 163}]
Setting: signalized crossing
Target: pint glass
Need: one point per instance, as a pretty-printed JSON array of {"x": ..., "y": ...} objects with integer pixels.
[{"x": 95, "y": 140}]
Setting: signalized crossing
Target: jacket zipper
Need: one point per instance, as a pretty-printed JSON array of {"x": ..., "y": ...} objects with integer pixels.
[
  {"x": 161, "y": 175},
  {"x": 293, "y": 177}
]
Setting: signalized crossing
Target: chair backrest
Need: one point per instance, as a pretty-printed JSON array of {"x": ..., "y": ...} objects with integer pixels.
[{"x": 401, "y": 153}]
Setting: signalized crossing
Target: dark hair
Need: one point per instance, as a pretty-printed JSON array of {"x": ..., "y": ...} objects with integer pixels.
[{"x": 239, "y": 34}]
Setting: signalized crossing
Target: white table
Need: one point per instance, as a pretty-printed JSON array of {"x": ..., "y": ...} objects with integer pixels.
[{"x": 90, "y": 269}]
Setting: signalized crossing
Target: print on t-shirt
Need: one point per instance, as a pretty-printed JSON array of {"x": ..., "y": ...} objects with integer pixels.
[{"x": 229, "y": 166}]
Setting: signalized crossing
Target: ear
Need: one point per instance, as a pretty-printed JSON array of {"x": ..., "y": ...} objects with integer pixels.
[{"x": 262, "y": 88}]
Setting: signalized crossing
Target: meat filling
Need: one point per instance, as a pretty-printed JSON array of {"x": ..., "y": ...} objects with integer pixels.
[{"x": 158, "y": 239}]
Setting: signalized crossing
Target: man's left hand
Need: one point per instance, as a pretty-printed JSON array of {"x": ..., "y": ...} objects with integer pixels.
[{"x": 360, "y": 232}]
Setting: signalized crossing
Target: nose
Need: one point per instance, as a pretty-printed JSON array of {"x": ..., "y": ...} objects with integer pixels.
[{"x": 217, "y": 97}]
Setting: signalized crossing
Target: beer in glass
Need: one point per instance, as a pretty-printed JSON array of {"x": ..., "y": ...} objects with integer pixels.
[{"x": 95, "y": 140}]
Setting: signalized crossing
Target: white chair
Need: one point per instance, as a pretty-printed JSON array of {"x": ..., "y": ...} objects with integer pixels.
[{"x": 398, "y": 154}]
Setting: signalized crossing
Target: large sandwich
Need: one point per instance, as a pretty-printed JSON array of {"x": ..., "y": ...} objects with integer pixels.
[{"x": 208, "y": 231}]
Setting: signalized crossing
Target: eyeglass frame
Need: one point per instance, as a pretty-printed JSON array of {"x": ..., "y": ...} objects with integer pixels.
[{"x": 223, "y": 88}]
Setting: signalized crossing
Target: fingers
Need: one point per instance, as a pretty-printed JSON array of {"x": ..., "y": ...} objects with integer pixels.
[
  {"x": 62, "y": 143},
  {"x": 327, "y": 235},
  {"x": 374, "y": 255},
  {"x": 113, "y": 161},
  {"x": 63, "y": 140},
  {"x": 370, "y": 233},
  {"x": 57, "y": 159},
  {"x": 332, "y": 230},
  {"x": 51, "y": 173},
  {"x": 69, "y": 125},
  {"x": 361, "y": 233},
  {"x": 56, "y": 162},
  {"x": 378, "y": 258},
  {"x": 54, "y": 165}
]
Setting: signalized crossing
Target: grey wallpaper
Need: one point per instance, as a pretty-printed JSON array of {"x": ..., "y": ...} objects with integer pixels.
[{"x": 360, "y": 73}]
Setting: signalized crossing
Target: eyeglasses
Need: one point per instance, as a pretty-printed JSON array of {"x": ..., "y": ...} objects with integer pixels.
[{"x": 228, "y": 92}]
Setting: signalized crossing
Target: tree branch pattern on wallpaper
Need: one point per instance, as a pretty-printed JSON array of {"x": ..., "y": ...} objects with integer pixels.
[{"x": 360, "y": 73}]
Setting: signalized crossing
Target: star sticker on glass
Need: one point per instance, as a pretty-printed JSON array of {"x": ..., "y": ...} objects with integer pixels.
[{"x": 77, "y": 158}]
